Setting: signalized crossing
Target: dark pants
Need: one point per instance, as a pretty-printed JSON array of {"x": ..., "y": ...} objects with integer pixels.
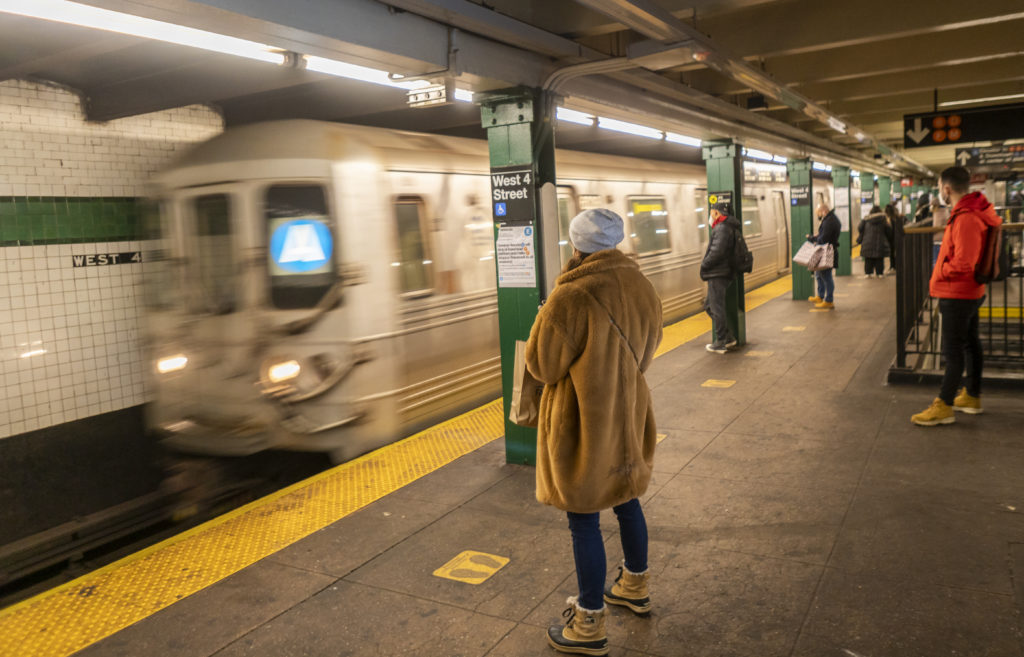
[
  {"x": 826, "y": 284},
  {"x": 588, "y": 549},
  {"x": 715, "y": 307},
  {"x": 960, "y": 339},
  {"x": 874, "y": 266}
]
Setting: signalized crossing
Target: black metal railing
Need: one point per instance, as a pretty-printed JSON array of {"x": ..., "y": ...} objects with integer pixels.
[{"x": 918, "y": 323}]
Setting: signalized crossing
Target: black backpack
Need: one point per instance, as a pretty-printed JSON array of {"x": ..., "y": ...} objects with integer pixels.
[{"x": 742, "y": 258}]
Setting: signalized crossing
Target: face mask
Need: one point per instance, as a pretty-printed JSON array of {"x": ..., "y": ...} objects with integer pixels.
[{"x": 945, "y": 199}]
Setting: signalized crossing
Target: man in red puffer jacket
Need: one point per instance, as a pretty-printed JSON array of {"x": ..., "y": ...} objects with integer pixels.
[{"x": 960, "y": 296}]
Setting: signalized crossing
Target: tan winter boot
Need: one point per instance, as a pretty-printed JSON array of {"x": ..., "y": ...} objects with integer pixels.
[
  {"x": 584, "y": 632},
  {"x": 630, "y": 590}
]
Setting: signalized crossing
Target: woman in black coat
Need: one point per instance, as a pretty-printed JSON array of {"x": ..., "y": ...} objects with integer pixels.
[{"x": 871, "y": 235}]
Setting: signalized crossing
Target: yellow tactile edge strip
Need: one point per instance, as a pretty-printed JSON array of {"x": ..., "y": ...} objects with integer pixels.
[{"x": 70, "y": 617}]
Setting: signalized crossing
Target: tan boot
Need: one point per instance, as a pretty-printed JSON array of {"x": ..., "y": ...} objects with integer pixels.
[
  {"x": 815, "y": 299},
  {"x": 583, "y": 633},
  {"x": 630, "y": 590},
  {"x": 938, "y": 413},
  {"x": 967, "y": 404},
  {"x": 827, "y": 305}
]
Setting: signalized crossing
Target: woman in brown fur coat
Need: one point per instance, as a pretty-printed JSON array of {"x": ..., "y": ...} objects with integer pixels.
[{"x": 590, "y": 345}]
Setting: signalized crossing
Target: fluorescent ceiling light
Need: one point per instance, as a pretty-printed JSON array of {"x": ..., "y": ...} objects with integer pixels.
[
  {"x": 628, "y": 128},
  {"x": 73, "y": 13},
  {"x": 757, "y": 155},
  {"x": 818, "y": 166},
  {"x": 572, "y": 116},
  {"x": 677, "y": 138},
  {"x": 951, "y": 103},
  {"x": 356, "y": 72},
  {"x": 465, "y": 95},
  {"x": 780, "y": 159},
  {"x": 836, "y": 124}
]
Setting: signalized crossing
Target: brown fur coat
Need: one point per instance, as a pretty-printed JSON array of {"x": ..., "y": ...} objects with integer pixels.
[{"x": 596, "y": 434}]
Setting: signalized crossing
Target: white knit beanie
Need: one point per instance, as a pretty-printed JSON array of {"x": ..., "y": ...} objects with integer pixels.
[{"x": 595, "y": 230}]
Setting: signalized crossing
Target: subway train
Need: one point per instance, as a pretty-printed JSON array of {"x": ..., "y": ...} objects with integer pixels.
[{"x": 325, "y": 287}]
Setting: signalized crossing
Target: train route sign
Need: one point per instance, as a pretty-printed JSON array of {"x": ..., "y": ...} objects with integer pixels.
[
  {"x": 963, "y": 126},
  {"x": 991, "y": 156},
  {"x": 512, "y": 195}
]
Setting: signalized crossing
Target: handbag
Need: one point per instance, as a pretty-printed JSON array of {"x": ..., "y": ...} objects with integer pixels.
[
  {"x": 524, "y": 408},
  {"x": 803, "y": 255},
  {"x": 826, "y": 258}
]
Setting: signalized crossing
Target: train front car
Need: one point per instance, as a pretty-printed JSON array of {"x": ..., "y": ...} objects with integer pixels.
[{"x": 256, "y": 287}]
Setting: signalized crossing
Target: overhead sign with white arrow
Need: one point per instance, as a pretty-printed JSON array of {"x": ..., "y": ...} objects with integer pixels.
[
  {"x": 990, "y": 156},
  {"x": 954, "y": 127}
]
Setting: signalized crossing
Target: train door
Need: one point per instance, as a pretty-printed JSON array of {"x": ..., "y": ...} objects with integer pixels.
[{"x": 781, "y": 212}]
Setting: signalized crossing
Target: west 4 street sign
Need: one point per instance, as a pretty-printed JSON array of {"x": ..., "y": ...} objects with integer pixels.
[{"x": 963, "y": 126}]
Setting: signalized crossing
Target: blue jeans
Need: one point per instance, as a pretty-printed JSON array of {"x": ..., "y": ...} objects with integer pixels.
[
  {"x": 826, "y": 284},
  {"x": 588, "y": 549}
]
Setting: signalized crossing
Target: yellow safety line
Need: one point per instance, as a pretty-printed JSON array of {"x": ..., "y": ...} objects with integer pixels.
[
  {"x": 66, "y": 619},
  {"x": 999, "y": 312}
]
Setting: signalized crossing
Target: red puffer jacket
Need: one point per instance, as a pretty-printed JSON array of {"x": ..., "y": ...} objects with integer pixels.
[{"x": 953, "y": 275}]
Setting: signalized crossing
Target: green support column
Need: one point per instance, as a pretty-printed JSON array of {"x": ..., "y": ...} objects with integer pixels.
[
  {"x": 884, "y": 191},
  {"x": 912, "y": 191},
  {"x": 842, "y": 199},
  {"x": 724, "y": 164},
  {"x": 520, "y": 138},
  {"x": 801, "y": 213}
]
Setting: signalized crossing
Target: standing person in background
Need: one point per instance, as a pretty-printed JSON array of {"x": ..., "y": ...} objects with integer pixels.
[
  {"x": 828, "y": 233},
  {"x": 873, "y": 236},
  {"x": 590, "y": 346},
  {"x": 895, "y": 233},
  {"x": 960, "y": 296},
  {"x": 718, "y": 269}
]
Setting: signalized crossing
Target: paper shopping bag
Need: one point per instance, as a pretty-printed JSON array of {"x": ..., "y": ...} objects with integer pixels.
[{"x": 525, "y": 407}]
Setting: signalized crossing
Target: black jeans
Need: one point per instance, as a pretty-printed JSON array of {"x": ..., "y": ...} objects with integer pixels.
[
  {"x": 715, "y": 307},
  {"x": 874, "y": 266},
  {"x": 960, "y": 338}
]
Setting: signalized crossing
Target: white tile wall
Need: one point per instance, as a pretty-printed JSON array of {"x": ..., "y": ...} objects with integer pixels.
[
  {"x": 69, "y": 337},
  {"x": 48, "y": 149}
]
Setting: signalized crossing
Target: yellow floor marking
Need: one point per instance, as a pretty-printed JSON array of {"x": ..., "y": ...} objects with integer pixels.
[
  {"x": 793, "y": 328},
  {"x": 70, "y": 617},
  {"x": 999, "y": 313},
  {"x": 661, "y": 437},
  {"x": 759, "y": 354},
  {"x": 471, "y": 567},
  {"x": 820, "y": 310},
  {"x": 693, "y": 327},
  {"x": 718, "y": 383}
]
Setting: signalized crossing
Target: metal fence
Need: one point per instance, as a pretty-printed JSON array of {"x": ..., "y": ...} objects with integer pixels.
[{"x": 918, "y": 322}]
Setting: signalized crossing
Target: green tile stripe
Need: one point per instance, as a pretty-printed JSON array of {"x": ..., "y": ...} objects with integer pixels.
[{"x": 35, "y": 220}]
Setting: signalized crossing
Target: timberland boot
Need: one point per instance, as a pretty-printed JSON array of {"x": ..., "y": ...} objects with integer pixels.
[
  {"x": 826, "y": 305},
  {"x": 583, "y": 633},
  {"x": 815, "y": 299},
  {"x": 630, "y": 590},
  {"x": 967, "y": 404},
  {"x": 938, "y": 413}
]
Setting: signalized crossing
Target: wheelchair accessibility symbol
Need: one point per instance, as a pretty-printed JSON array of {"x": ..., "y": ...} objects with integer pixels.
[{"x": 500, "y": 210}]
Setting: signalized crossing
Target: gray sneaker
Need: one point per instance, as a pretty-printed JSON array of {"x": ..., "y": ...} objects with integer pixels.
[
  {"x": 731, "y": 343},
  {"x": 716, "y": 348}
]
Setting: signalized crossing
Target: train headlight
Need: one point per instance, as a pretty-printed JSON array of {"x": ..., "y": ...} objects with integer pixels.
[
  {"x": 172, "y": 363},
  {"x": 283, "y": 371}
]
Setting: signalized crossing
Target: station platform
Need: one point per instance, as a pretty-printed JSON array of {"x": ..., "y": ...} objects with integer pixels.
[{"x": 794, "y": 511}]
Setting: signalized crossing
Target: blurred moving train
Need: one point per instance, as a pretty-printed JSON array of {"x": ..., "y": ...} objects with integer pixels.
[{"x": 324, "y": 287}]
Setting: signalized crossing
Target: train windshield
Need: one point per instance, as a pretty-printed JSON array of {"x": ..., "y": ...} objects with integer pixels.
[
  {"x": 214, "y": 255},
  {"x": 301, "y": 245},
  {"x": 160, "y": 284}
]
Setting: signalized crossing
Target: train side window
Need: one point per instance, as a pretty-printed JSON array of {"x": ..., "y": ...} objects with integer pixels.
[
  {"x": 751, "y": 217},
  {"x": 301, "y": 253},
  {"x": 215, "y": 254},
  {"x": 414, "y": 264},
  {"x": 700, "y": 210},
  {"x": 160, "y": 284},
  {"x": 649, "y": 220}
]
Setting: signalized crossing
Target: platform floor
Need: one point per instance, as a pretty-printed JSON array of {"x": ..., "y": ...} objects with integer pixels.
[{"x": 796, "y": 512}]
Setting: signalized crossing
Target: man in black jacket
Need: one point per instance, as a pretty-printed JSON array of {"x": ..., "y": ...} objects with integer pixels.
[
  {"x": 718, "y": 269},
  {"x": 828, "y": 233}
]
